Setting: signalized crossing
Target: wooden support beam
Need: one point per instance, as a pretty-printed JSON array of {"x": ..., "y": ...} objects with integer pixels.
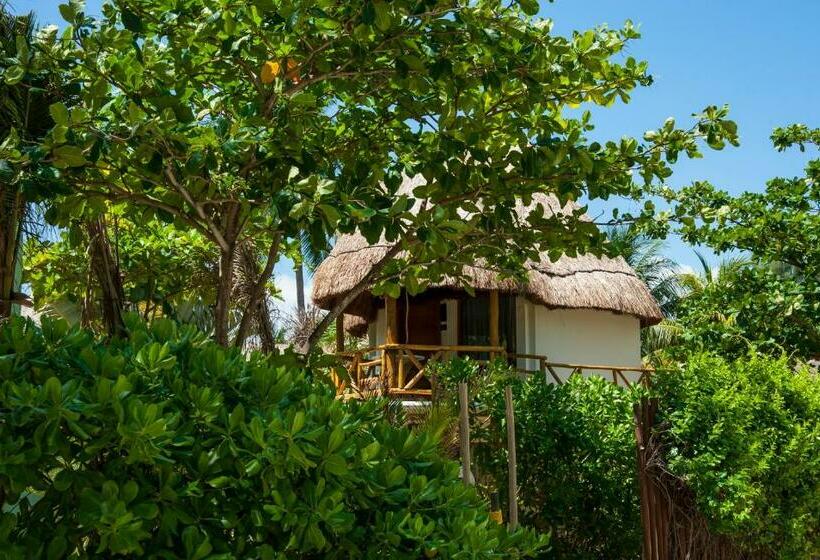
[
  {"x": 464, "y": 434},
  {"x": 391, "y": 336},
  {"x": 494, "y": 320},
  {"x": 340, "y": 333},
  {"x": 512, "y": 464}
]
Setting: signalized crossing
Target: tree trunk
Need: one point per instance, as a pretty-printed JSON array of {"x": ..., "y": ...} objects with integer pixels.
[
  {"x": 299, "y": 272},
  {"x": 11, "y": 215},
  {"x": 108, "y": 276},
  {"x": 224, "y": 288},
  {"x": 256, "y": 308}
]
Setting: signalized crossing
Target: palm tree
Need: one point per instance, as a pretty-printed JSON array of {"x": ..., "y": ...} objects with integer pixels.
[
  {"x": 23, "y": 108},
  {"x": 310, "y": 257},
  {"x": 696, "y": 281},
  {"x": 646, "y": 257},
  {"x": 660, "y": 273}
]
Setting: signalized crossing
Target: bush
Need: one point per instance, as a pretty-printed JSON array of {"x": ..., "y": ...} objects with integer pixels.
[
  {"x": 576, "y": 461},
  {"x": 745, "y": 436},
  {"x": 165, "y": 445}
]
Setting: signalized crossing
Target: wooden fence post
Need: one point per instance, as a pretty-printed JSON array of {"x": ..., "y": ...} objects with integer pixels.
[
  {"x": 654, "y": 508},
  {"x": 512, "y": 465},
  {"x": 464, "y": 434}
]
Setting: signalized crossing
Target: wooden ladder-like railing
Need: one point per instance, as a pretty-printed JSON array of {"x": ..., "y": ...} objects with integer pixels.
[{"x": 403, "y": 370}]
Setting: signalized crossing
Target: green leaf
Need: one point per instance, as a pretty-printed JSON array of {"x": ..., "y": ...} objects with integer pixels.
[
  {"x": 131, "y": 21},
  {"x": 68, "y": 12},
  {"x": 530, "y": 7},
  {"x": 14, "y": 74},
  {"x": 298, "y": 422},
  {"x": 304, "y": 98},
  {"x": 383, "y": 17},
  {"x": 53, "y": 390},
  {"x": 69, "y": 156},
  {"x": 59, "y": 112},
  {"x": 220, "y": 481}
]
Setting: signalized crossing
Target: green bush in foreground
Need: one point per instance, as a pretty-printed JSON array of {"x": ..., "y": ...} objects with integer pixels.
[
  {"x": 165, "y": 445},
  {"x": 576, "y": 463},
  {"x": 745, "y": 436}
]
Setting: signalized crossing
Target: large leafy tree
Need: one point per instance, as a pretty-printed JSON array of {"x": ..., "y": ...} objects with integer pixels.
[
  {"x": 774, "y": 300},
  {"x": 264, "y": 119}
]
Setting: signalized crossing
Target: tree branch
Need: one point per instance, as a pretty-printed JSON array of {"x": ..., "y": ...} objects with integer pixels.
[
  {"x": 257, "y": 290},
  {"x": 218, "y": 237},
  {"x": 343, "y": 302}
]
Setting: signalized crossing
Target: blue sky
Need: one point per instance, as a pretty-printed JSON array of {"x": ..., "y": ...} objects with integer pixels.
[{"x": 759, "y": 57}]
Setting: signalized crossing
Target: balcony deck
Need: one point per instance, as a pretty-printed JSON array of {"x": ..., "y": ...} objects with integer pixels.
[{"x": 401, "y": 370}]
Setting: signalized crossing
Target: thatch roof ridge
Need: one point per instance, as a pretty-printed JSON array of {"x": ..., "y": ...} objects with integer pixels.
[{"x": 580, "y": 282}]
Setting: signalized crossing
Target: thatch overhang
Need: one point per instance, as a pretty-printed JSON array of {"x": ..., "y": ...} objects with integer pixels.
[{"x": 581, "y": 282}]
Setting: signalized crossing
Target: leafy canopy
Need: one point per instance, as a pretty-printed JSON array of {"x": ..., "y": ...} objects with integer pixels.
[
  {"x": 775, "y": 301},
  {"x": 744, "y": 436},
  {"x": 247, "y": 118}
]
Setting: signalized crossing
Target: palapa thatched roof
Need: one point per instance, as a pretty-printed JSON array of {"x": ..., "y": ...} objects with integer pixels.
[{"x": 581, "y": 282}]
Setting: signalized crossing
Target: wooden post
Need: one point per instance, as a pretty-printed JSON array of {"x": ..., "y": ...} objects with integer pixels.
[
  {"x": 340, "y": 333},
  {"x": 340, "y": 347},
  {"x": 494, "y": 316},
  {"x": 512, "y": 465},
  {"x": 464, "y": 434},
  {"x": 391, "y": 336}
]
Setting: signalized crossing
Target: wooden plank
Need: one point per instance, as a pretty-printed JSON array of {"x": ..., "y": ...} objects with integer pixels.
[
  {"x": 411, "y": 392},
  {"x": 391, "y": 337},
  {"x": 642, "y": 479},
  {"x": 442, "y": 348},
  {"x": 599, "y": 367},
  {"x": 400, "y": 380},
  {"x": 512, "y": 465},
  {"x": 623, "y": 377},
  {"x": 416, "y": 379},
  {"x": 415, "y": 360},
  {"x": 555, "y": 376},
  {"x": 464, "y": 434}
]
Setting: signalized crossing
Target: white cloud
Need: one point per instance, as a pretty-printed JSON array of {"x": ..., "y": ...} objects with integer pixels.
[{"x": 285, "y": 281}]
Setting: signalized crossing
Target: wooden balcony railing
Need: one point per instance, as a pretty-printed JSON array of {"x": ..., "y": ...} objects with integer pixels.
[{"x": 403, "y": 370}]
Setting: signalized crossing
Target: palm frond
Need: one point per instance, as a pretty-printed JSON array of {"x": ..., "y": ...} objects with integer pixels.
[
  {"x": 646, "y": 257},
  {"x": 312, "y": 251}
]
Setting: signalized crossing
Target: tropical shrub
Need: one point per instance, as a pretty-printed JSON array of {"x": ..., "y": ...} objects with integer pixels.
[
  {"x": 166, "y": 445},
  {"x": 576, "y": 458},
  {"x": 745, "y": 436}
]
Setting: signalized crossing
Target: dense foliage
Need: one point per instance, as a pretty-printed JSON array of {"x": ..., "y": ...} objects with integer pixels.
[
  {"x": 774, "y": 303},
  {"x": 575, "y": 452},
  {"x": 265, "y": 120},
  {"x": 576, "y": 463},
  {"x": 771, "y": 308},
  {"x": 745, "y": 436},
  {"x": 165, "y": 271},
  {"x": 167, "y": 445}
]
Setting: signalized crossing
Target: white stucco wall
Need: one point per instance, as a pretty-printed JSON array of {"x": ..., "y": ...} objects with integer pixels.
[{"x": 579, "y": 336}]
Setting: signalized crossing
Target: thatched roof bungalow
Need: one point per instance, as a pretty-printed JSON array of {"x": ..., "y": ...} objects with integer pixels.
[{"x": 580, "y": 310}]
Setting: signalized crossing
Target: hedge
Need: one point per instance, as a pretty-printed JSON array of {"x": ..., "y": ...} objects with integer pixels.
[{"x": 165, "y": 445}]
